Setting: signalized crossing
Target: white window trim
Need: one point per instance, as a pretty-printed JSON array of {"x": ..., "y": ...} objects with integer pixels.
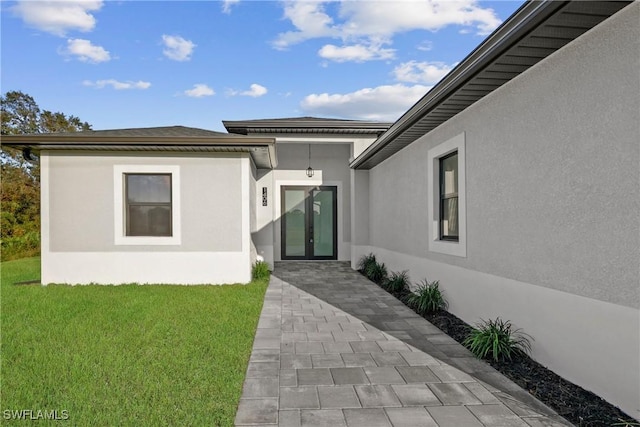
[
  {"x": 120, "y": 237},
  {"x": 458, "y": 248}
]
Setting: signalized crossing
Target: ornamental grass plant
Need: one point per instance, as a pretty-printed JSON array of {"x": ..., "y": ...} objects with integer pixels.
[{"x": 498, "y": 340}]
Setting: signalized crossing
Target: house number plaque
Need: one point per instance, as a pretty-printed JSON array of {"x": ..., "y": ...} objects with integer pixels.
[{"x": 264, "y": 196}]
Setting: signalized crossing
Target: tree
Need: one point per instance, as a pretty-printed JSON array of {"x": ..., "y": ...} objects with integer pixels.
[
  {"x": 20, "y": 187},
  {"x": 21, "y": 114},
  {"x": 57, "y": 122}
]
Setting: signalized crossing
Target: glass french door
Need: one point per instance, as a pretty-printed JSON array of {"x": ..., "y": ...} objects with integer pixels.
[{"x": 309, "y": 222}]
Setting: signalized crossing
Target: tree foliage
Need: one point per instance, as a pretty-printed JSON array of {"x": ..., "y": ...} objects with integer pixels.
[
  {"x": 20, "y": 183},
  {"x": 22, "y": 115}
]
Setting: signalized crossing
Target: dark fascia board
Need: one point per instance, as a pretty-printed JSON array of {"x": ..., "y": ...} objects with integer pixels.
[
  {"x": 309, "y": 124},
  {"x": 55, "y": 142},
  {"x": 81, "y": 138},
  {"x": 527, "y": 17}
]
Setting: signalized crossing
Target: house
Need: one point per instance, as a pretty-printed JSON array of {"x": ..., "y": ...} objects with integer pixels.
[
  {"x": 190, "y": 206},
  {"x": 514, "y": 181},
  {"x": 301, "y": 216}
]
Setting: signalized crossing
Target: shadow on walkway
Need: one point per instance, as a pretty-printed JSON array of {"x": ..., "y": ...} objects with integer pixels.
[{"x": 333, "y": 348}]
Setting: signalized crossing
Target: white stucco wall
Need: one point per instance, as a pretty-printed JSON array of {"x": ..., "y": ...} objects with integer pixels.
[
  {"x": 80, "y": 237},
  {"x": 253, "y": 215},
  {"x": 553, "y": 204}
]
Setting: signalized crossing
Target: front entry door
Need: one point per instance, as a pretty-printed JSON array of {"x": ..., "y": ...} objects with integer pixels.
[{"x": 309, "y": 222}]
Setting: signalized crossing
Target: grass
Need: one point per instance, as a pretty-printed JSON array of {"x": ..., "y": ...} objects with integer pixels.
[
  {"x": 398, "y": 283},
  {"x": 427, "y": 298},
  {"x": 260, "y": 270},
  {"x": 497, "y": 339},
  {"x": 126, "y": 355}
]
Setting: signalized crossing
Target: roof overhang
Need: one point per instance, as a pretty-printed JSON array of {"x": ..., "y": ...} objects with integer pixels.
[
  {"x": 536, "y": 30},
  {"x": 261, "y": 149},
  {"x": 305, "y": 125}
]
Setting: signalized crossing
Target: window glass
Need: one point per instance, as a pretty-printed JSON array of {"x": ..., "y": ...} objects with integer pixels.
[
  {"x": 450, "y": 171},
  {"x": 148, "y": 204},
  {"x": 449, "y": 197},
  {"x": 149, "y": 188}
]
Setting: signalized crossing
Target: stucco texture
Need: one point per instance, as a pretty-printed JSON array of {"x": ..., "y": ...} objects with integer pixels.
[
  {"x": 331, "y": 162},
  {"x": 552, "y": 167},
  {"x": 82, "y": 201}
]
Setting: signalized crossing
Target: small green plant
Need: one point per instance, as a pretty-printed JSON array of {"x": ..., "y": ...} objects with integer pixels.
[
  {"x": 498, "y": 340},
  {"x": 398, "y": 283},
  {"x": 626, "y": 423},
  {"x": 377, "y": 272},
  {"x": 427, "y": 298},
  {"x": 260, "y": 270},
  {"x": 366, "y": 262}
]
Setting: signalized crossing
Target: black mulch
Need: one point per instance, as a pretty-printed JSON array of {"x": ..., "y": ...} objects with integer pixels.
[{"x": 577, "y": 405}]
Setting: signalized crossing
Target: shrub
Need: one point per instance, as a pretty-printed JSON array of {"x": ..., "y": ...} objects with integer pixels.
[
  {"x": 626, "y": 423},
  {"x": 20, "y": 246},
  {"x": 366, "y": 262},
  {"x": 498, "y": 340},
  {"x": 398, "y": 283},
  {"x": 260, "y": 270},
  {"x": 427, "y": 298},
  {"x": 377, "y": 273}
]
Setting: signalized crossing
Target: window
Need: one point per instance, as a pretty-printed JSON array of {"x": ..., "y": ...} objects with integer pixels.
[
  {"x": 446, "y": 197},
  {"x": 146, "y": 205},
  {"x": 449, "y": 197}
]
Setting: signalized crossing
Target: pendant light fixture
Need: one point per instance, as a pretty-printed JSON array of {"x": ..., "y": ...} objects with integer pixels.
[{"x": 310, "y": 169}]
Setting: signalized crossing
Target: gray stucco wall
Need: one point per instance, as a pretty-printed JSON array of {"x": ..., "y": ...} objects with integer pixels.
[
  {"x": 552, "y": 173},
  {"x": 82, "y": 201},
  {"x": 360, "y": 207}
]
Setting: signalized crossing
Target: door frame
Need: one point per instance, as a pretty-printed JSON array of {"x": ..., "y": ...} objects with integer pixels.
[{"x": 308, "y": 221}]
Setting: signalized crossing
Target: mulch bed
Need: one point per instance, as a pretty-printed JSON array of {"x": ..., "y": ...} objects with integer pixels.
[{"x": 577, "y": 405}]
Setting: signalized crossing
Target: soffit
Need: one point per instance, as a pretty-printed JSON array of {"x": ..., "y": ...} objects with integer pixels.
[
  {"x": 171, "y": 139},
  {"x": 534, "y": 32},
  {"x": 306, "y": 126}
]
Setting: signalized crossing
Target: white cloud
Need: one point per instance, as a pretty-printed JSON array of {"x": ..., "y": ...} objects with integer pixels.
[
  {"x": 387, "y": 18},
  {"x": 421, "y": 72},
  {"x": 425, "y": 45},
  {"x": 177, "y": 48},
  {"x": 356, "y": 53},
  {"x": 58, "y": 17},
  {"x": 255, "y": 91},
  {"x": 310, "y": 21},
  {"x": 379, "y": 103},
  {"x": 117, "y": 85},
  {"x": 86, "y": 52},
  {"x": 227, "y": 4},
  {"x": 366, "y": 24},
  {"x": 199, "y": 90}
]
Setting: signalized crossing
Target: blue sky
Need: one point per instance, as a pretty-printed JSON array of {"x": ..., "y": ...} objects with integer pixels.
[{"x": 119, "y": 64}]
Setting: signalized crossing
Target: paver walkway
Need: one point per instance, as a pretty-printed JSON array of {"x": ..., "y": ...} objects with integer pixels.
[{"x": 332, "y": 348}]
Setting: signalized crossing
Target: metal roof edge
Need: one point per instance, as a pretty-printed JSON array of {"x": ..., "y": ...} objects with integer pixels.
[
  {"x": 80, "y": 138},
  {"x": 527, "y": 17},
  {"x": 298, "y": 124},
  {"x": 54, "y": 142}
]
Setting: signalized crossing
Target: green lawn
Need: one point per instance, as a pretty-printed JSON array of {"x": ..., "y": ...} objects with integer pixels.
[{"x": 125, "y": 355}]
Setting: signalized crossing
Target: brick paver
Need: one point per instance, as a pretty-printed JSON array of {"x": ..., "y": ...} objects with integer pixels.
[{"x": 332, "y": 348}]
